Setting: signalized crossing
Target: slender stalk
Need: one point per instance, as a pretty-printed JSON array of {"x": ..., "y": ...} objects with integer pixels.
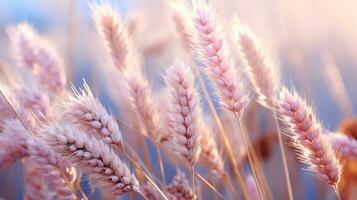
[
  {"x": 260, "y": 172},
  {"x": 228, "y": 183},
  {"x": 283, "y": 156},
  {"x": 338, "y": 196},
  {"x": 137, "y": 166},
  {"x": 162, "y": 170},
  {"x": 209, "y": 185},
  {"x": 193, "y": 180},
  {"x": 141, "y": 194},
  {"x": 222, "y": 133},
  {"x": 146, "y": 151},
  {"x": 245, "y": 140}
]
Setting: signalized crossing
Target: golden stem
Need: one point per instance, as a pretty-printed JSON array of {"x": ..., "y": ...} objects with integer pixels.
[
  {"x": 222, "y": 134},
  {"x": 162, "y": 169},
  {"x": 283, "y": 156},
  {"x": 245, "y": 140}
]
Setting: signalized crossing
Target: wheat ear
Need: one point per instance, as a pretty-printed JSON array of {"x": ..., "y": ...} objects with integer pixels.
[
  {"x": 87, "y": 113},
  {"x": 344, "y": 145},
  {"x": 113, "y": 32},
  {"x": 214, "y": 53},
  {"x": 91, "y": 156},
  {"x": 306, "y": 134},
  {"x": 38, "y": 55}
]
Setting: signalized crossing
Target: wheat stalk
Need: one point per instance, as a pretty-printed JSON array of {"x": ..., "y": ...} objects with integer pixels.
[{"x": 265, "y": 78}]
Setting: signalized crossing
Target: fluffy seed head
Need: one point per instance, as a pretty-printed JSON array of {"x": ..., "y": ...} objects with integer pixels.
[
  {"x": 343, "y": 144},
  {"x": 306, "y": 133},
  {"x": 144, "y": 106},
  {"x": 92, "y": 156},
  {"x": 214, "y": 53},
  {"x": 184, "y": 114},
  {"x": 113, "y": 32},
  {"x": 13, "y": 142},
  {"x": 180, "y": 188},
  {"x": 23, "y": 39},
  {"x": 38, "y": 55},
  {"x": 263, "y": 74},
  {"x": 87, "y": 113}
]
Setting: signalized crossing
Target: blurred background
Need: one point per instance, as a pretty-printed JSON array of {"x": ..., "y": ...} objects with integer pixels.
[{"x": 313, "y": 42}]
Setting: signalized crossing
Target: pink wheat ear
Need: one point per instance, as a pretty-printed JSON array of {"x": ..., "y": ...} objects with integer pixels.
[
  {"x": 23, "y": 41},
  {"x": 38, "y": 55},
  {"x": 306, "y": 133},
  {"x": 180, "y": 187},
  {"x": 34, "y": 186},
  {"x": 150, "y": 192},
  {"x": 214, "y": 52},
  {"x": 87, "y": 113},
  {"x": 91, "y": 156},
  {"x": 185, "y": 116},
  {"x": 49, "y": 164},
  {"x": 263, "y": 74},
  {"x": 113, "y": 32},
  {"x": 343, "y": 144},
  {"x": 181, "y": 19},
  {"x": 12, "y": 142},
  {"x": 143, "y": 104},
  {"x": 32, "y": 100}
]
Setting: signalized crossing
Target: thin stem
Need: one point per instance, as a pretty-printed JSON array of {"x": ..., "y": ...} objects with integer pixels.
[
  {"x": 137, "y": 166},
  {"x": 209, "y": 185},
  {"x": 222, "y": 134},
  {"x": 193, "y": 180},
  {"x": 283, "y": 156},
  {"x": 260, "y": 172},
  {"x": 231, "y": 189},
  {"x": 162, "y": 170},
  {"x": 335, "y": 188},
  {"x": 141, "y": 194},
  {"x": 245, "y": 140}
]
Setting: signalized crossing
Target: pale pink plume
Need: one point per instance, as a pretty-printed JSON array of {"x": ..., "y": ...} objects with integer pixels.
[
  {"x": 180, "y": 188},
  {"x": 91, "y": 156},
  {"x": 52, "y": 168},
  {"x": 252, "y": 188},
  {"x": 23, "y": 39},
  {"x": 31, "y": 100},
  {"x": 263, "y": 74},
  {"x": 184, "y": 113},
  {"x": 114, "y": 33},
  {"x": 38, "y": 55},
  {"x": 51, "y": 75},
  {"x": 34, "y": 185},
  {"x": 210, "y": 155},
  {"x": 143, "y": 105},
  {"x": 18, "y": 143},
  {"x": 150, "y": 192},
  {"x": 307, "y": 137},
  {"x": 85, "y": 111},
  {"x": 214, "y": 53},
  {"x": 343, "y": 144},
  {"x": 5, "y": 111},
  {"x": 181, "y": 17},
  {"x": 13, "y": 142}
]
